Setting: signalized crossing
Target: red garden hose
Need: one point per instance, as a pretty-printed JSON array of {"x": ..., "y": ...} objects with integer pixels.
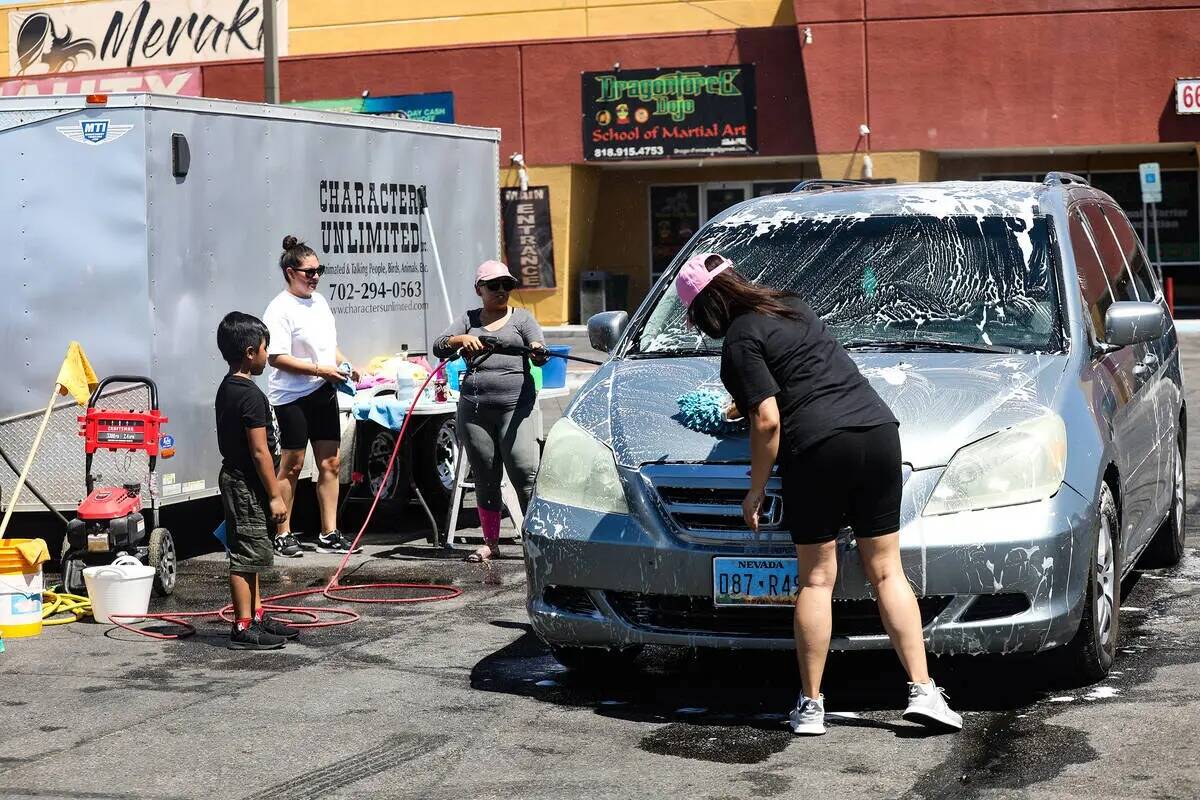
[{"x": 330, "y": 590}]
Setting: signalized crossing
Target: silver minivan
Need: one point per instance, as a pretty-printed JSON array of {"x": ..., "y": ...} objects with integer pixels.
[{"x": 1020, "y": 336}]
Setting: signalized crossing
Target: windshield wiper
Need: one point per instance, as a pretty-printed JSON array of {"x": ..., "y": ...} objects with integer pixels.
[
  {"x": 909, "y": 345},
  {"x": 675, "y": 353}
]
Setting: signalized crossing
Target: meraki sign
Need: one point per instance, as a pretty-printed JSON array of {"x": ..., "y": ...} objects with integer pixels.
[
  {"x": 49, "y": 40},
  {"x": 661, "y": 113}
]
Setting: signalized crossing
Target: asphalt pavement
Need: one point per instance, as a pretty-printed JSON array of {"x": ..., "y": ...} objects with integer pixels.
[{"x": 456, "y": 699}]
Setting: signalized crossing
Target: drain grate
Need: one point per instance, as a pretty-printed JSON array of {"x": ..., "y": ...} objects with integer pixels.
[{"x": 319, "y": 783}]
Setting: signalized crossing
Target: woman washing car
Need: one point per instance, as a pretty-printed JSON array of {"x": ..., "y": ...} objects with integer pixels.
[
  {"x": 838, "y": 449},
  {"x": 496, "y": 397}
]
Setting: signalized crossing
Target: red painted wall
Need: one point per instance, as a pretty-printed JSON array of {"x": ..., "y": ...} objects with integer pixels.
[
  {"x": 926, "y": 75},
  {"x": 485, "y": 82}
]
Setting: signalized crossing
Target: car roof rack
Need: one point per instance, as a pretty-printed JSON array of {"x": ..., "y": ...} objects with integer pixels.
[
  {"x": 1063, "y": 178},
  {"x": 817, "y": 184}
]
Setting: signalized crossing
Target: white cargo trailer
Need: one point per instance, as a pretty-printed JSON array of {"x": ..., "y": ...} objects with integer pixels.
[{"x": 133, "y": 223}]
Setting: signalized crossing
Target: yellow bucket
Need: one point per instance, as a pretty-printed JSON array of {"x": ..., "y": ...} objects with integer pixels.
[{"x": 20, "y": 592}]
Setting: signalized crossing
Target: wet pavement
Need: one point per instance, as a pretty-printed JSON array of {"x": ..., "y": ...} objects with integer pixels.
[{"x": 458, "y": 699}]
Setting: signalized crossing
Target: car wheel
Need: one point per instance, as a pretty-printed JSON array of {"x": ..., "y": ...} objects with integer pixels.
[
  {"x": 1166, "y": 549},
  {"x": 596, "y": 661},
  {"x": 435, "y": 460},
  {"x": 164, "y": 560},
  {"x": 1091, "y": 652}
]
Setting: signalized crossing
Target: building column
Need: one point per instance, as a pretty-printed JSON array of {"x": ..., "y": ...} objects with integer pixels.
[
  {"x": 909, "y": 166},
  {"x": 573, "y": 192}
]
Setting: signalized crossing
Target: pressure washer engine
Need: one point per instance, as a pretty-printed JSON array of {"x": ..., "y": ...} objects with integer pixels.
[{"x": 111, "y": 522}]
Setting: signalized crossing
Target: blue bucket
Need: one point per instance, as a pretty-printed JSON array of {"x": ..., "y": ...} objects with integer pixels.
[{"x": 554, "y": 371}]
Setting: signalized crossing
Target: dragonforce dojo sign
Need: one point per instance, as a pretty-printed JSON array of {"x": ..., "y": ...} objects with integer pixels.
[{"x": 93, "y": 36}]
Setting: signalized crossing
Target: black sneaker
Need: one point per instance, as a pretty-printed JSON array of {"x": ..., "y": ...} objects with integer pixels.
[
  {"x": 277, "y": 627},
  {"x": 287, "y": 546},
  {"x": 253, "y": 638},
  {"x": 334, "y": 542}
]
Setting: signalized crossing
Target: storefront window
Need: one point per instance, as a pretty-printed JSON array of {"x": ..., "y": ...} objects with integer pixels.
[
  {"x": 674, "y": 218},
  {"x": 1178, "y": 213}
]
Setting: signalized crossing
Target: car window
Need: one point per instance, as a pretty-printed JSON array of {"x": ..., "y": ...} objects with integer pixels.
[
  {"x": 1135, "y": 256},
  {"x": 1092, "y": 280},
  {"x": 985, "y": 281},
  {"x": 1119, "y": 278}
]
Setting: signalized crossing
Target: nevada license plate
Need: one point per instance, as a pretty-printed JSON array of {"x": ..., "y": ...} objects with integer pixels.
[{"x": 754, "y": 581}]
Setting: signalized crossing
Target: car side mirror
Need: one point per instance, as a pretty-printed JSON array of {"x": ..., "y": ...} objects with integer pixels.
[
  {"x": 1133, "y": 322},
  {"x": 606, "y": 328}
]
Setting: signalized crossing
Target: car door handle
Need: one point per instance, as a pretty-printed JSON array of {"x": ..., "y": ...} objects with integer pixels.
[{"x": 1150, "y": 360}]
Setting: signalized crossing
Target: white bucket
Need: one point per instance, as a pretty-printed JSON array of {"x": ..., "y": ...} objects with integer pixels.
[{"x": 122, "y": 587}]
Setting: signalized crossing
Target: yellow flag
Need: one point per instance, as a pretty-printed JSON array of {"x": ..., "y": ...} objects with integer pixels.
[{"x": 76, "y": 375}]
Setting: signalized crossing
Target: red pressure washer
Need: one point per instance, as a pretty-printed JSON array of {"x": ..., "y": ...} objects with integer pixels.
[{"x": 109, "y": 522}]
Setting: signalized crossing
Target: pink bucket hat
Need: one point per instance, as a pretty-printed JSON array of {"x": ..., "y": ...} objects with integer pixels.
[
  {"x": 490, "y": 270},
  {"x": 694, "y": 276}
]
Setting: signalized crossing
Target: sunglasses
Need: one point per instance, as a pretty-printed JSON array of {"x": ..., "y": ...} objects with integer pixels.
[
  {"x": 310, "y": 271},
  {"x": 499, "y": 284}
]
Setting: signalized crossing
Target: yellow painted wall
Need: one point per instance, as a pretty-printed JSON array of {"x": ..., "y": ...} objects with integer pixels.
[
  {"x": 969, "y": 169},
  {"x": 335, "y": 26},
  {"x": 905, "y": 167},
  {"x": 573, "y": 192}
]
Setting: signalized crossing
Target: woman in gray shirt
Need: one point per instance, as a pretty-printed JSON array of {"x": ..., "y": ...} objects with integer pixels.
[{"x": 496, "y": 398}]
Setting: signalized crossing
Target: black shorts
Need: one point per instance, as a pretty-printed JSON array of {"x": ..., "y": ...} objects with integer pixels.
[
  {"x": 312, "y": 418},
  {"x": 852, "y": 478},
  {"x": 248, "y": 529}
]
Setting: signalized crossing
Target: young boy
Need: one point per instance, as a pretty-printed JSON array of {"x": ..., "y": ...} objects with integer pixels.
[{"x": 249, "y": 489}]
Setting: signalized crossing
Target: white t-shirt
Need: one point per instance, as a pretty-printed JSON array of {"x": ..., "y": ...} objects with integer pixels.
[{"x": 302, "y": 328}]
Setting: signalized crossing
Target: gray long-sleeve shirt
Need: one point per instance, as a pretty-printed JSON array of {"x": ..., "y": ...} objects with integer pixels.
[{"x": 500, "y": 380}]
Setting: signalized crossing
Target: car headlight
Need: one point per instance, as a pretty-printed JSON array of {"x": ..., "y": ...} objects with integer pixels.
[
  {"x": 578, "y": 470},
  {"x": 1023, "y": 464}
]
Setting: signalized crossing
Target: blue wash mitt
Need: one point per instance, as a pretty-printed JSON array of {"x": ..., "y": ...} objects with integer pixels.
[{"x": 703, "y": 410}]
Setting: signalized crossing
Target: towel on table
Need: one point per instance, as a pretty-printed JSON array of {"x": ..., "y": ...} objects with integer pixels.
[{"x": 387, "y": 410}]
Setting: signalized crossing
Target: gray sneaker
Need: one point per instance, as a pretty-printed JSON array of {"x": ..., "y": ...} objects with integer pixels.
[
  {"x": 927, "y": 706},
  {"x": 808, "y": 717}
]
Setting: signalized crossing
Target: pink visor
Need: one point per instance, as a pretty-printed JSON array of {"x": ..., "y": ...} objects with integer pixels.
[{"x": 694, "y": 276}]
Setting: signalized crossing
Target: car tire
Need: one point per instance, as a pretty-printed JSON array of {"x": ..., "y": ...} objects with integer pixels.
[
  {"x": 434, "y": 453},
  {"x": 1166, "y": 548},
  {"x": 596, "y": 661},
  {"x": 164, "y": 559},
  {"x": 1091, "y": 652}
]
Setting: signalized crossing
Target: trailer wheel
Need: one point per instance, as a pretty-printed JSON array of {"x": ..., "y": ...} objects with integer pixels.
[
  {"x": 164, "y": 561},
  {"x": 435, "y": 458},
  {"x": 378, "y": 452}
]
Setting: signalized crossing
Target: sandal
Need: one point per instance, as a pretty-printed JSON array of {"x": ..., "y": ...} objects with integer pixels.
[{"x": 478, "y": 557}]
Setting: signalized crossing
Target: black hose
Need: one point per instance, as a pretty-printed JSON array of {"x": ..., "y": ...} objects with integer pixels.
[{"x": 16, "y": 471}]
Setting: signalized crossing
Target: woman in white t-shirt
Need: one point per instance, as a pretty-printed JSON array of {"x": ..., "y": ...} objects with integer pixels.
[{"x": 301, "y": 385}]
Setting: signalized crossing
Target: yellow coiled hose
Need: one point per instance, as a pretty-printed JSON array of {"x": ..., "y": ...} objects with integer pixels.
[{"x": 55, "y": 604}]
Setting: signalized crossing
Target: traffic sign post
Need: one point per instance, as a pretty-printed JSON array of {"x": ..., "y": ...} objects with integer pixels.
[{"x": 1151, "y": 181}]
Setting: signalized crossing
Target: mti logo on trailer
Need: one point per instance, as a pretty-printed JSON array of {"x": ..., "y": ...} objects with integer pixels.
[{"x": 94, "y": 131}]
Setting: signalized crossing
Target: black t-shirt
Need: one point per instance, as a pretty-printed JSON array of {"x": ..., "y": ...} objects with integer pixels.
[
  {"x": 816, "y": 384},
  {"x": 241, "y": 405}
]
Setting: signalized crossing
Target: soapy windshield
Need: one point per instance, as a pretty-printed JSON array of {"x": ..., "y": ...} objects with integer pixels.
[{"x": 972, "y": 283}]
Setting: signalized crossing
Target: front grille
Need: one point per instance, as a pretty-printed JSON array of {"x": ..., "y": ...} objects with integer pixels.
[
  {"x": 570, "y": 598},
  {"x": 703, "y": 502},
  {"x": 689, "y": 614},
  {"x": 994, "y": 606}
]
